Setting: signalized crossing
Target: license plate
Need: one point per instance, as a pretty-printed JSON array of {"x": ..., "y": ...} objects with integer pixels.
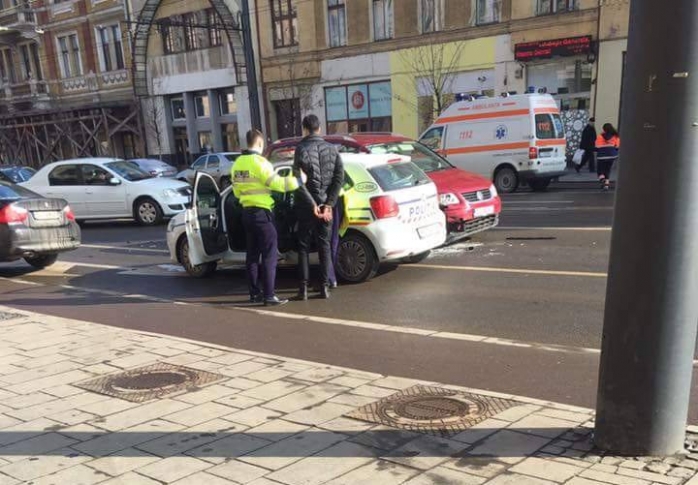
[
  {"x": 428, "y": 231},
  {"x": 46, "y": 215},
  {"x": 484, "y": 211}
]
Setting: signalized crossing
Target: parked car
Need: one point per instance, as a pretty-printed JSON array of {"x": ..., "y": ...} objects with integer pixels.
[
  {"x": 109, "y": 188},
  {"x": 508, "y": 139},
  {"x": 16, "y": 173},
  {"x": 392, "y": 206},
  {"x": 156, "y": 168},
  {"x": 217, "y": 165},
  {"x": 471, "y": 202},
  {"x": 33, "y": 227}
]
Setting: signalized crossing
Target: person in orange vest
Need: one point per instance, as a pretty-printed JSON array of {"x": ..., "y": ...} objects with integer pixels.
[{"x": 607, "y": 150}]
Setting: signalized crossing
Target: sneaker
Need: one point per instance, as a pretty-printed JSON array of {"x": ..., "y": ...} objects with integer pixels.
[
  {"x": 259, "y": 298},
  {"x": 274, "y": 301}
]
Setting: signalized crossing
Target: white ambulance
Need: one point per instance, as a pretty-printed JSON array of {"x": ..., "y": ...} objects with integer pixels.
[{"x": 510, "y": 140}]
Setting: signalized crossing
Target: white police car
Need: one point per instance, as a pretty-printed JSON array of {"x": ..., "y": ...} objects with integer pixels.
[{"x": 392, "y": 209}]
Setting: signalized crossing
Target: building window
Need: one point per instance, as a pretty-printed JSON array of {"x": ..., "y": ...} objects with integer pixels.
[
  {"x": 205, "y": 142},
  {"x": 7, "y": 66},
  {"x": 69, "y": 56},
  {"x": 359, "y": 107},
  {"x": 178, "y": 112},
  {"x": 203, "y": 108},
  {"x": 288, "y": 117},
  {"x": 432, "y": 15},
  {"x": 227, "y": 103},
  {"x": 488, "y": 11},
  {"x": 285, "y": 21},
  {"x": 337, "y": 20},
  {"x": 109, "y": 48},
  {"x": 546, "y": 7},
  {"x": 231, "y": 140},
  {"x": 214, "y": 28},
  {"x": 383, "y": 19},
  {"x": 192, "y": 32}
]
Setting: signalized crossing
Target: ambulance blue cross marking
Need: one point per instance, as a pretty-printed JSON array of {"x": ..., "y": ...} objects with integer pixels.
[{"x": 501, "y": 132}]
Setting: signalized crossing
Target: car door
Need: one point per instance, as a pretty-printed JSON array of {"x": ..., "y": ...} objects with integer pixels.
[
  {"x": 103, "y": 199},
  {"x": 64, "y": 183},
  {"x": 203, "y": 222},
  {"x": 198, "y": 166},
  {"x": 213, "y": 167},
  {"x": 284, "y": 214}
]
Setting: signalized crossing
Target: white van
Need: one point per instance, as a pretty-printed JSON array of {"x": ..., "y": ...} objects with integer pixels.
[{"x": 509, "y": 139}]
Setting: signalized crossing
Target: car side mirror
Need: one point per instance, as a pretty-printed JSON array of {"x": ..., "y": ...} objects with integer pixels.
[{"x": 114, "y": 181}]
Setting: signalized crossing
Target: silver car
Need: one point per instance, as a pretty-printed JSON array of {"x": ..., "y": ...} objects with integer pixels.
[
  {"x": 156, "y": 168},
  {"x": 217, "y": 165}
]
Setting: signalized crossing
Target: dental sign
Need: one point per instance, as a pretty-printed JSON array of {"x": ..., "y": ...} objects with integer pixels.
[{"x": 571, "y": 46}]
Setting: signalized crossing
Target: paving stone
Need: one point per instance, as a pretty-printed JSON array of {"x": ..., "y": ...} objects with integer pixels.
[
  {"x": 310, "y": 396},
  {"x": 252, "y": 417},
  {"x": 122, "y": 462},
  {"x": 40, "y": 443},
  {"x": 283, "y": 453},
  {"x": 228, "y": 448},
  {"x": 48, "y": 382},
  {"x": 612, "y": 478},
  {"x": 483, "y": 467},
  {"x": 203, "y": 478},
  {"x": 242, "y": 383},
  {"x": 238, "y": 471},
  {"x": 77, "y": 475},
  {"x": 549, "y": 470},
  {"x": 681, "y": 473},
  {"x": 352, "y": 400},
  {"x": 273, "y": 390},
  {"x": 385, "y": 438},
  {"x": 584, "y": 481},
  {"x": 141, "y": 414},
  {"x": 318, "y": 414},
  {"x": 57, "y": 406},
  {"x": 318, "y": 374},
  {"x": 514, "y": 479},
  {"x": 63, "y": 391},
  {"x": 167, "y": 351},
  {"x": 199, "y": 414},
  {"x": 396, "y": 383},
  {"x": 230, "y": 358},
  {"x": 659, "y": 467},
  {"x": 243, "y": 369},
  {"x": 481, "y": 431},
  {"x": 110, "y": 443},
  {"x": 136, "y": 360},
  {"x": 207, "y": 366},
  {"x": 194, "y": 437},
  {"x": 601, "y": 467},
  {"x": 82, "y": 432},
  {"x": 27, "y": 400},
  {"x": 326, "y": 465},
  {"x": 425, "y": 452},
  {"x": 214, "y": 392},
  {"x": 38, "y": 466},
  {"x": 350, "y": 382},
  {"x": 105, "y": 408},
  {"x": 509, "y": 446},
  {"x": 41, "y": 372},
  {"x": 7, "y": 421},
  {"x": 517, "y": 413},
  {"x": 183, "y": 359},
  {"x": 446, "y": 476},
  {"x": 346, "y": 426},
  {"x": 131, "y": 479},
  {"x": 72, "y": 417},
  {"x": 173, "y": 468},
  {"x": 542, "y": 426},
  {"x": 5, "y": 480},
  {"x": 373, "y": 391},
  {"x": 650, "y": 476},
  {"x": 268, "y": 375},
  {"x": 564, "y": 415},
  {"x": 237, "y": 401},
  {"x": 377, "y": 472}
]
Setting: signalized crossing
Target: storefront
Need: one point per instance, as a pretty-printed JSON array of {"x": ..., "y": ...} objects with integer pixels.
[{"x": 359, "y": 107}]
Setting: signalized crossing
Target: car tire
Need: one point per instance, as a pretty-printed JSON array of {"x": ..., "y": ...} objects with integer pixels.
[
  {"x": 43, "y": 261},
  {"x": 197, "y": 271},
  {"x": 147, "y": 212},
  {"x": 356, "y": 259},
  {"x": 506, "y": 180},
  {"x": 417, "y": 258},
  {"x": 539, "y": 185}
]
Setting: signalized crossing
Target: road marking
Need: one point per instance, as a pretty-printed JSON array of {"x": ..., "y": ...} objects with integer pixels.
[
  {"x": 557, "y": 209},
  {"x": 509, "y": 202},
  {"x": 542, "y": 228},
  {"x": 485, "y": 269},
  {"x": 93, "y": 265},
  {"x": 124, "y": 248}
]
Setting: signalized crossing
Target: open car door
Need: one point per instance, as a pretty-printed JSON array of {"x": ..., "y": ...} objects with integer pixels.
[
  {"x": 205, "y": 233},
  {"x": 285, "y": 215}
]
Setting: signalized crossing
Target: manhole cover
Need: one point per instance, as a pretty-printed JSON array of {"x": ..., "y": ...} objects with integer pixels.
[
  {"x": 150, "y": 382},
  {"x": 432, "y": 410}
]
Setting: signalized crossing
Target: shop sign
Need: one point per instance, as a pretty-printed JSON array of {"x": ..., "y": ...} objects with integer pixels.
[
  {"x": 358, "y": 102},
  {"x": 546, "y": 49},
  {"x": 336, "y": 101},
  {"x": 381, "y": 99}
]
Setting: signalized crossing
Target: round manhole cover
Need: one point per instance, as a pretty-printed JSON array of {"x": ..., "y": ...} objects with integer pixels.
[
  {"x": 426, "y": 411},
  {"x": 427, "y": 408},
  {"x": 149, "y": 381}
]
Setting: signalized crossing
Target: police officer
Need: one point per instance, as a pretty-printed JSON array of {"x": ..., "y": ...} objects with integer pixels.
[{"x": 254, "y": 179}]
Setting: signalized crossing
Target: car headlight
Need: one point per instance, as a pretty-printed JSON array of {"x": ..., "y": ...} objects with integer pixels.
[
  {"x": 169, "y": 193},
  {"x": 448, "y": 199},
  {"x": 493, "y": 191}
]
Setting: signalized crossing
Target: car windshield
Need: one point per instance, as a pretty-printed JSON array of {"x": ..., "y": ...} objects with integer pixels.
[
  {"x": 422, "y": 156},
  {"x": 128, "y": 170},
  {"x": 10, "y": 191},
  {"x": 396, "y": 176},
  {"x": 231, "y": 156},
  {"x": 18, "y": 174}
]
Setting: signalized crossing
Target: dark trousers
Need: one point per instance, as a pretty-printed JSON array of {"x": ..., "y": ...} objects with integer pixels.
[
  {"x": 262, "y": 242},
  {"x": 588, "y": 157},
  {"x": 310, "y": 227},
  {"x": 604, "y": 167},
  {"x": 337, "y": 216}
]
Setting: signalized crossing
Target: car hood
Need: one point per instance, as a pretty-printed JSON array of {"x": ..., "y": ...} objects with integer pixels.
[
  {"x": 161, "y": 184},
  {"x": 458, "y": 181}
]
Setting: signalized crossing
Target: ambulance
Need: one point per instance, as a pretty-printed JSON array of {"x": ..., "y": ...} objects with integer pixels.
[{"x": 510, "y": 140}]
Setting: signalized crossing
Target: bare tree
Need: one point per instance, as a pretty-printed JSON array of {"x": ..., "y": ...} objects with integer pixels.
[
  {"x": 298, "y": 93},
  {"x": 431, "y": 69},
  {"x": 154, "y": 117}
]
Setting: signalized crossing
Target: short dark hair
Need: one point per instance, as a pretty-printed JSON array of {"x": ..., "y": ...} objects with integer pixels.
[
  {"x": 253, "y": 135},
  {"x": 592, "y": 119},
  {"x": 311, "y": 123}
]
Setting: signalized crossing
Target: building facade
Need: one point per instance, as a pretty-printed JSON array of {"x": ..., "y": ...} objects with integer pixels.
[
  {"x": 65, "y": 81},
  {"x": 392, "y": 65}
]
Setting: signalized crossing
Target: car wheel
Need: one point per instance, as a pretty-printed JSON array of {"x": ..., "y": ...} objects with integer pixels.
[
  {"x": 417, "y": 258},
  {"x": 356, "y": 259},
  {"x": 506, "y": 180},
  {"x": 147, "y": 212},
  {"x": 43, "y": 261},
  {"x": 197, "y": 271},
  {"x": 539, "y": 185},
  {"x": 225, "y": 183}
]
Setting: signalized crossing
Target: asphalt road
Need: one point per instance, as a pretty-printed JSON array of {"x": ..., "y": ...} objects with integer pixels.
[{"x": 517, "y": 310}]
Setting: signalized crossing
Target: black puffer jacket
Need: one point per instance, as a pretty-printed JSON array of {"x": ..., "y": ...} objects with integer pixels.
[{"x": 321, "y": 162}]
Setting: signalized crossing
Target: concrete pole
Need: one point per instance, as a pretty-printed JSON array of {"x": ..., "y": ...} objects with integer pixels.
[
  {"x": 651, "y": 315},
  {"x": 255, "y": 114}
]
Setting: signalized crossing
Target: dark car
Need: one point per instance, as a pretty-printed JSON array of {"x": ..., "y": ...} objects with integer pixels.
[
  {"x": 33, "y": 227},
  {"x": 16, "y": 173}
]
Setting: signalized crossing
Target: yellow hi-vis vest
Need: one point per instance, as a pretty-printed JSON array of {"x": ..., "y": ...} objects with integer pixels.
[{"x": 254, "y": 179}]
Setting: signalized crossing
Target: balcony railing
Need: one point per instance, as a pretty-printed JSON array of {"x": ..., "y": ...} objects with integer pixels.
[{"x": 25, "y": 90}]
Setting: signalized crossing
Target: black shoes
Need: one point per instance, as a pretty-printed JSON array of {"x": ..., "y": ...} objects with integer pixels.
[
  {"x": 274, "y": 301},
  {"x": 258, "y": 298},
  {"x": 302, "y": 293}
]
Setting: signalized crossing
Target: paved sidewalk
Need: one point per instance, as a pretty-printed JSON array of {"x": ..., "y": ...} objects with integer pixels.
[{"x": 228, "y": 416}]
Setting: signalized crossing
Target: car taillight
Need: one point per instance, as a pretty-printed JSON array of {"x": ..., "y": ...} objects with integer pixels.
[
  {"x": 12, "y": 213},
  {"x": 532, "y": 153},
  {"x": 384, "y": 206},
  {"x": 68, "y": 212}
]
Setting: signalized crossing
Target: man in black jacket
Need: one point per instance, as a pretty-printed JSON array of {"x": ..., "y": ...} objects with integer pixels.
[
  {"x": 322, "y": 165},
  {"x": 588, "y": 144}
]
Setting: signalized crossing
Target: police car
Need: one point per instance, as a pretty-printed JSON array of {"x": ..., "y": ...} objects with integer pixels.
[{"x": 392, "y": 211}]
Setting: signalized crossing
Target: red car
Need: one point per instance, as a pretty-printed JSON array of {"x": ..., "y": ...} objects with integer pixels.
[{"x": 470, "y": 202}]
